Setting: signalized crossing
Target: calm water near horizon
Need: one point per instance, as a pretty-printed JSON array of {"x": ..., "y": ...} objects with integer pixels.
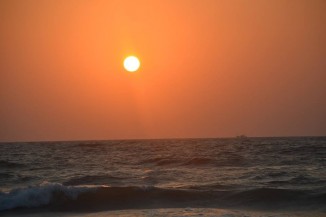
[{"x": 89, "y": 176}]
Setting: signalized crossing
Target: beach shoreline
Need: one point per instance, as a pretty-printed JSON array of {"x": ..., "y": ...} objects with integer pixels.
[{"x": 173, "y": 212}]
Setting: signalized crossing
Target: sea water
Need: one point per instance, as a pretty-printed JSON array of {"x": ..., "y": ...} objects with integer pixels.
[{"x": 252, "y": 174}]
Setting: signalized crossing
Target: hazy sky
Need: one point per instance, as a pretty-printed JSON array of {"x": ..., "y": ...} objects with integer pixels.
[{"x": 209, "y": 68}]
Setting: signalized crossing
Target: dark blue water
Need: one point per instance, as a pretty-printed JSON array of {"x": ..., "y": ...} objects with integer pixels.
[{"x": 252, "y": 173}]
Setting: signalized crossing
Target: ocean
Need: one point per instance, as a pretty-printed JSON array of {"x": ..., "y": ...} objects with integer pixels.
[{"x": 186, "y": 177}]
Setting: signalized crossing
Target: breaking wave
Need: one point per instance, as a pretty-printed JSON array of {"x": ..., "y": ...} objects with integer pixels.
[{"x": 57, "y": 197}]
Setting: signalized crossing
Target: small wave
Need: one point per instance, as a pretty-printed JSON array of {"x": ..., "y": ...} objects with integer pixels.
[
  {"x": 93, "y": 180},
  {"x": 299, "y": 181}
]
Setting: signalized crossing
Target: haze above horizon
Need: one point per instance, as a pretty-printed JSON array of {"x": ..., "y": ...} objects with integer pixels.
[{"x": 210, "y": 68}]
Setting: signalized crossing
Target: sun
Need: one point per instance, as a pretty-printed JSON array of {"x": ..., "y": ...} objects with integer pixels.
[{"x": 131, "y": 64}]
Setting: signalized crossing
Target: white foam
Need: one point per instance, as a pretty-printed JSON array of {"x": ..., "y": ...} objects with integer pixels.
[{"x": 38, "y": 195}]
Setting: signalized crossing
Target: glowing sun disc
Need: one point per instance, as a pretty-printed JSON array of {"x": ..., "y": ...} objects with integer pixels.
[{"x": 131, "y": 64}]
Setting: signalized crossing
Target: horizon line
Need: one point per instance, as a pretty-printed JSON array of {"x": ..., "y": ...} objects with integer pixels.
[{"x": 168, "y": 138}]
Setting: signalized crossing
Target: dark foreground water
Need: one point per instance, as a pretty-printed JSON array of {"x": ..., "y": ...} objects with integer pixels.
[{"x": 244, "y": 173}]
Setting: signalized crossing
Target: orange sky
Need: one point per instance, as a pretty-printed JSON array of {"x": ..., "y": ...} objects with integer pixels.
[{"x": 210, "y": 68}]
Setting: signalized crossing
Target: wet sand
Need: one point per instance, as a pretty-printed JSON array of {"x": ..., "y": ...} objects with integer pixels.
[{"x": 175, "y": 212}]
